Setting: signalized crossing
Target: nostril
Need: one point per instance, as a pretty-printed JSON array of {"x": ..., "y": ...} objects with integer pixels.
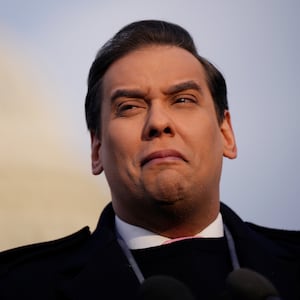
[
  {"x": 153, "y": 133},
  {"x": 167, "y": 130},
  {"x": 157, "y": 132}
]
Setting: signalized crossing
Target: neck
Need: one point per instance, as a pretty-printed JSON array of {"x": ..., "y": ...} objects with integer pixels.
[{"x": 174, "y": 221}]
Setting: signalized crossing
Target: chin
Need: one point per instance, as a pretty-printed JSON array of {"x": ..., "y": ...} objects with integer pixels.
[
  {"x": 173, "y": 200},
  {"x": 169, "y": 191},
  {"x": 167, "y": 184}
]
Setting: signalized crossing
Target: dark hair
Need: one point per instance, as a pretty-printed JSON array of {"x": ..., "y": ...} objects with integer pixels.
[{"x": 137, "y": 35}]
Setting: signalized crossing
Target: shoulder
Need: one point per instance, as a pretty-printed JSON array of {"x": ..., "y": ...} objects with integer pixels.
[
  {"x": 50, "y": 250},
  {"x": 61, "y": 253},
  {"x": 36, "y": 271},
  {"x": 282, "y": 236},
  {"x": 286, "y": 239}
]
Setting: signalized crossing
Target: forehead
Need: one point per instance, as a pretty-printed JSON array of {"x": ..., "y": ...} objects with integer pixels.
[{"x": 153, "y": 67}]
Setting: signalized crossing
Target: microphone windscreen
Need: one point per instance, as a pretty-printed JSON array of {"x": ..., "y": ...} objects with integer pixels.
[
  {"x": 164, "y": 287},
  {"x": 249, "y": 285}
]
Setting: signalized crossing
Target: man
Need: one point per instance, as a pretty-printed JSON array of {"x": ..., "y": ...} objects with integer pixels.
[{"x": 160, "y": 127}]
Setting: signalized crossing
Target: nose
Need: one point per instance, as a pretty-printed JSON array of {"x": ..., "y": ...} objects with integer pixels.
[{"x": 158, "y": 123}]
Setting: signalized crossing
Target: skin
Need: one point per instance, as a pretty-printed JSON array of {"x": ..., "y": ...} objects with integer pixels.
[{"x": 161, "y": 146}]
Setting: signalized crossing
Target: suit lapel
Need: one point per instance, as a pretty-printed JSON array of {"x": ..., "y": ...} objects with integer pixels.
[
  {"x": 107, "y": 275},
  {"x": 105, "y": 272}
]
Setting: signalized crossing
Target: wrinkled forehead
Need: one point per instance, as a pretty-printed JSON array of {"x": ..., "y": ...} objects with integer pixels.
[{"x": 153, "y": 67}]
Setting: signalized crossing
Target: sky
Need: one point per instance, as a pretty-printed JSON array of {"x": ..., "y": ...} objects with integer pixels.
[{"x": 255, "y": 44}]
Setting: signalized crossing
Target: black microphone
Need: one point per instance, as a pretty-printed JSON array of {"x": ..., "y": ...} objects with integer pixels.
[
  {"x": 245, "y": 284},
  {"x": 162, "y": 287}
]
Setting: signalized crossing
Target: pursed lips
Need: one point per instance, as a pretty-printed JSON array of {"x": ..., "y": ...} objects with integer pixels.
[{"x": 172, "y": 154}]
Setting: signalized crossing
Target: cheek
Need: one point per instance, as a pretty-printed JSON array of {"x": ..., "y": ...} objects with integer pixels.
[
  {"x": 207, "y": 143},
  {"x": 119, "y": 148},
  {"x": 118, "y": 145}
]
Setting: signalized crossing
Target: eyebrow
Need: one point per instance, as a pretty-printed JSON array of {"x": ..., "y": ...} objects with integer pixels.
[
  {"x": 187, "y": 85},
  {"x": 134, "y": 93},
  {"x": 127, "y": 93}
]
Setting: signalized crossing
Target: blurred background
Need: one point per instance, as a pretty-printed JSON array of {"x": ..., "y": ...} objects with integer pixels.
[{"x": 46, "y": 49}]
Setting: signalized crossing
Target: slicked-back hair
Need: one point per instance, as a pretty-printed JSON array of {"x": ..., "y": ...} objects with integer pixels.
[{"x": 138, "y": 35}]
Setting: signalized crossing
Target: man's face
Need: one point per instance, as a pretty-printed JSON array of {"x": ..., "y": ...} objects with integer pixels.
[{"x": 161, "y": 145}]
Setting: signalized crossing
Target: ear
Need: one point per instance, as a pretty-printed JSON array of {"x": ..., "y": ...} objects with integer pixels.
[
  {"x": 97, "y": 167},
  {"x": 229, "y": 144}
]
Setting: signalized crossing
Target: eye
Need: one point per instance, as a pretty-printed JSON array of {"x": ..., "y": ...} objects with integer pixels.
[
  {"x": 128, "y": 108},
  {"x": 185, "y": 100},
  {"x": 125, "y": 107}
]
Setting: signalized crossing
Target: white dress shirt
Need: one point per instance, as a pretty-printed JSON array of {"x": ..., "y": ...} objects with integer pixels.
[{"x": 138, "y": 238}]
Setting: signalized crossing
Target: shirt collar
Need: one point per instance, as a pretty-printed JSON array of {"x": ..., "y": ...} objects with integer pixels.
[{"x": 138, "y": 238}]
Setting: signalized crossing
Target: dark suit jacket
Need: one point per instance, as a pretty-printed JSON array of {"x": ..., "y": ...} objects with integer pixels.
[{"x": 93, "y": 266}]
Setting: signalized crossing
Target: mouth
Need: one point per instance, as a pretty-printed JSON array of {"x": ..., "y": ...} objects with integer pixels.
[{"x": 163, "y": 156}]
